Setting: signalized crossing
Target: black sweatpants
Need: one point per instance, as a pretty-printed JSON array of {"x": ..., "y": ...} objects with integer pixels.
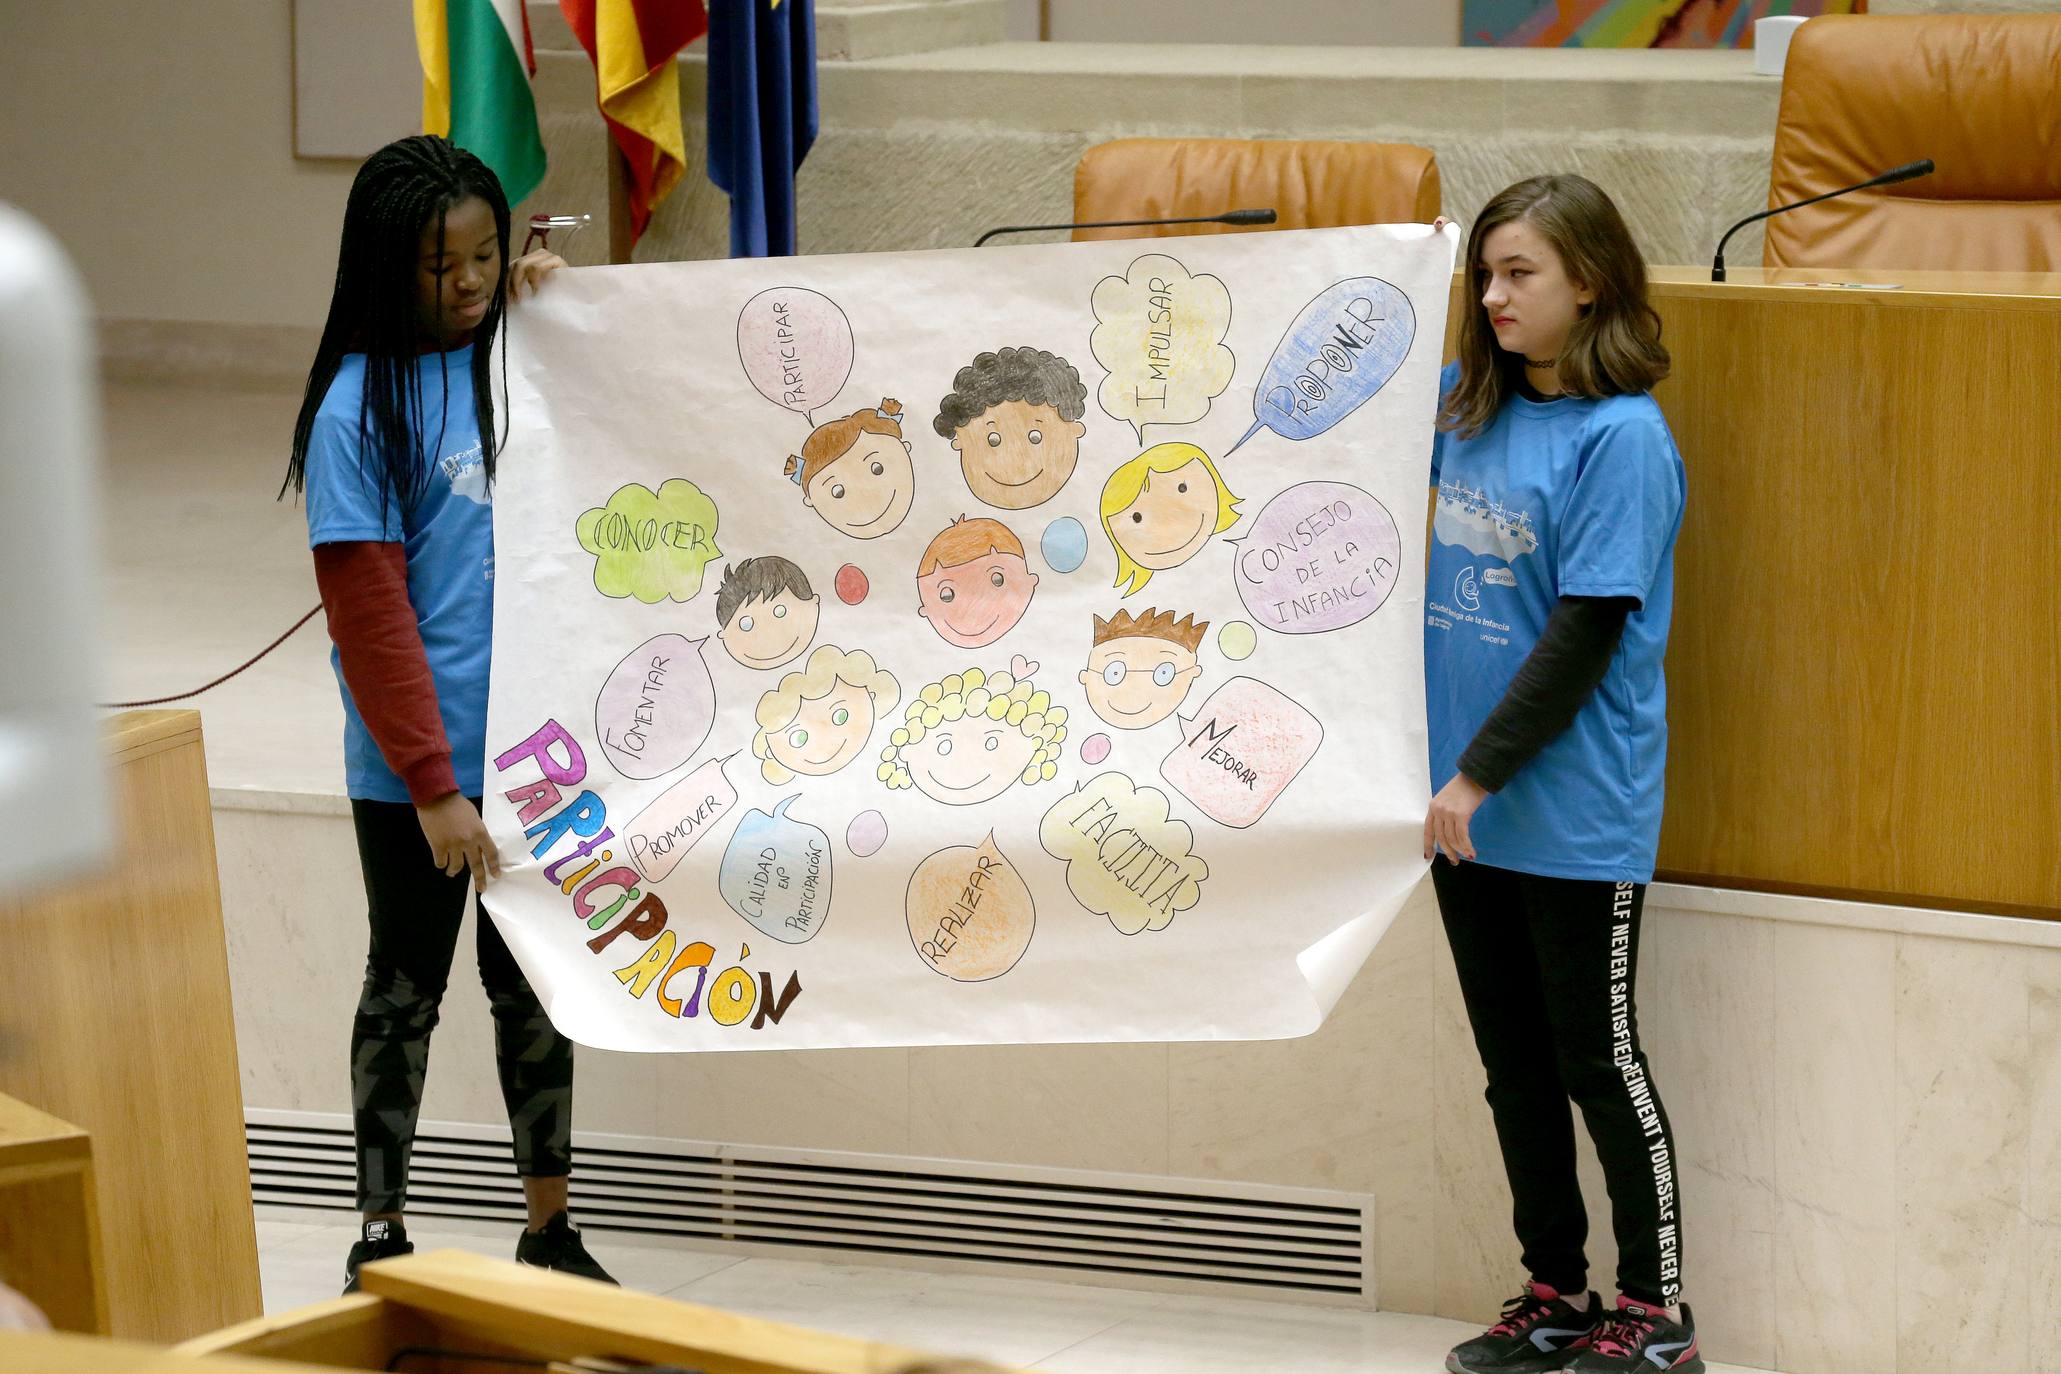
[
  {"x": 1547, "y": 967},
  {"x": 415, "y": 914}
]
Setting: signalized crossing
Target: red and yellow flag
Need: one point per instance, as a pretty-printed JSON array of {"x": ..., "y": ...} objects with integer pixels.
[{"x": 633, "y": 44}]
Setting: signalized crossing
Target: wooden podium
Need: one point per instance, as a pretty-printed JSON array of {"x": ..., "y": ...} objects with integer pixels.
[
  {"x": 454, "y": 1302},
  {"x": 115, "y": 1016},
  {"x": 1865, "y": 664},
  {"x": 1862, "y": 673}
]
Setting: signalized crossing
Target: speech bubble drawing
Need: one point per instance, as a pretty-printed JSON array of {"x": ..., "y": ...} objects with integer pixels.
[
  {"x": 1125, "y": 858},
  {"x": 970, "y": 913},
  {"x": 1340, "y": 350},
  {"x": 655, "y": 709},
  {"x": 796, "y": 347},
  {"x": 1321, "y": 556},
  {"x": 661, "y": 834},
  {"x": 776, "y": 874},
  {"x": 1240, "y": 750},
  {"x": 650, "y": 544},
  {"x": 1160, "y": 337}
]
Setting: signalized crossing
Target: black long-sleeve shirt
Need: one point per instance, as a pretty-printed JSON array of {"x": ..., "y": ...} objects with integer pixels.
[{"x": 1552, "y": 685}]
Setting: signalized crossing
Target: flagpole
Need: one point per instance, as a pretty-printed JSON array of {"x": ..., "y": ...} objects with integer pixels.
[{"x": 622, "y": 236}]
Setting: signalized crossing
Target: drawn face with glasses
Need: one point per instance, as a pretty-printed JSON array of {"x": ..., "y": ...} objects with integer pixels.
[{"x": 1140, "y": 668}]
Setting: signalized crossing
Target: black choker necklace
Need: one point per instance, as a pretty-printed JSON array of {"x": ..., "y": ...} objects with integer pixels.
[{"x": 1541, "y": 364}]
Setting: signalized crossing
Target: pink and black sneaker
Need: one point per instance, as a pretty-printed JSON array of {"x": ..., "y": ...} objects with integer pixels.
[
  {"x": 1638, "y": 1339},
  {"x": 1540, "y": 1331}
]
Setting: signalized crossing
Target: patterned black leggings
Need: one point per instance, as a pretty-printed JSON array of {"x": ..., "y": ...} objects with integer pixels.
[{"x": 415, "y": 912}]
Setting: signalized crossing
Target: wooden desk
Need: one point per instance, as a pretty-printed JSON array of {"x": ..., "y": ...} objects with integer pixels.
[
  {"x": 459, "y": 1301},
  {"x": 62, "y": 1354},
  {"x": 115, "y": 1014},
  {"x": 49, "y": 1219},
  {"x": 1864, "y": 675}
]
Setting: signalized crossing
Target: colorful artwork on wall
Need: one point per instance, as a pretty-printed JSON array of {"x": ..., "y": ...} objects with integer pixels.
[{"x": 1629, "y": 23}]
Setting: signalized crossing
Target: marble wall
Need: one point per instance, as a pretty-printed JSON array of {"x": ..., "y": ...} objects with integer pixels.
[{"x": 1867, "y": 1103}]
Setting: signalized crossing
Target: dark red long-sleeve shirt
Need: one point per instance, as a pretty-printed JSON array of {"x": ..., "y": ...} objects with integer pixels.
[{"x": 379, "y": 646}]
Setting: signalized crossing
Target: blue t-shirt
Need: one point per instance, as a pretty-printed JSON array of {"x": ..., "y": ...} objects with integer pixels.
[
  {"x": 449, "y": 536},
  {"x": 1566, "y": 497}
]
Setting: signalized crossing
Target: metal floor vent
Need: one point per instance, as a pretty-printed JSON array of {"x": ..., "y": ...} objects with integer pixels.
[{"x": 1121, "y": 1229}]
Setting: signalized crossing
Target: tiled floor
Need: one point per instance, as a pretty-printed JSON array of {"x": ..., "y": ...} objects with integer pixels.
[{"x": 1021, "y": 1322}]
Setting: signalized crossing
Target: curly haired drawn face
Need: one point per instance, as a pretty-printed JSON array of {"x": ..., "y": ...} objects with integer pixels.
[
  {"x": 966, "y": 738},
  {"x": 866, "y": 492},
  {"x": 1016, "y": 455},
  {"x": 969, "y": 760},
  {"x": 827, "y": 733}
]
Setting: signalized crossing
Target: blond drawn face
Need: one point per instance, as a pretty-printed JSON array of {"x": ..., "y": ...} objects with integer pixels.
[
  {"x": 866, "y": 492},
  {"x": 827, "y": 732},
  {"x": 967, "y": 761},
  {"x": 1138, "y": 680},
  {"x": 1171, "y": 519}
]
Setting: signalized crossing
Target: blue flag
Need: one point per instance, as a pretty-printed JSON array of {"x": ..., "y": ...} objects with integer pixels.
[{"x": 761, "y": 115}]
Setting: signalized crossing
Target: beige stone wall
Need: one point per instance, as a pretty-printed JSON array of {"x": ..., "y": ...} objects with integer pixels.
[
  {"x": 156, "y": 141},
  {"x": 926, "y": 151},
  {"x": 177, "y": 191}
]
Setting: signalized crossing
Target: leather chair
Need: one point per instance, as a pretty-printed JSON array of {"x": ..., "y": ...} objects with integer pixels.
[
  {"x": 1310, "y": 185},
  {"x": 1978, "y": 94}
]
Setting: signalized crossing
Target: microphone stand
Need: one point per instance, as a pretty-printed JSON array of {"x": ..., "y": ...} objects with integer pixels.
[
  {"x": 1903, "y": 173},
  {"x": 1266, "y": 216}
]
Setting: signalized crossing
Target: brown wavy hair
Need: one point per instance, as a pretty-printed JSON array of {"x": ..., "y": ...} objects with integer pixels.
[
  {"x": 1614, "y": 348},
  {"x": 833, "y": 439}
]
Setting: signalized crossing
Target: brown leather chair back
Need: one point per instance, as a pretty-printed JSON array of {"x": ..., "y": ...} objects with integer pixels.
[
  {"x": 1309, "y": 185},
  {"x": 1978, "y": 94}
]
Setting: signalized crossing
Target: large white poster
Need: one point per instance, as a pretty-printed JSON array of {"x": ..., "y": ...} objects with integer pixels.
[{"x": 1010, "y": 645}]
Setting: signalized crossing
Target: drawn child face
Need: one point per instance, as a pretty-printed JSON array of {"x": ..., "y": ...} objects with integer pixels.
[
  {"x": 1138, "y": 680},
  {"x": 969, "y": 760},
  {"x": 771, "y": 631},
  {"x": 827, "y": 733},
  {"x": 1016, "y": 455},
  {"x": 975, "y": 603},
  {"x": 866, "y": 492},
  {"x": 1171, "y": 519}
]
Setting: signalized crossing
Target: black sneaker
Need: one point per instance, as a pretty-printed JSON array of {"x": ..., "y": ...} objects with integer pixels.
[
  {"x": 1641, "y": 1338},
  {"x": 1540, "y": 1330},
  {"x": 557, "y": 1246},
  {"x": 381, "y": 1240}
]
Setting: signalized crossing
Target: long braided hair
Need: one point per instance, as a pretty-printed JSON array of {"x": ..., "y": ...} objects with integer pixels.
[{"x": 401, "y": 188}]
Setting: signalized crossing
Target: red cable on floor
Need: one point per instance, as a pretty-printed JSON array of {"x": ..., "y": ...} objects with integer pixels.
[{"x": 183, "y": 696}]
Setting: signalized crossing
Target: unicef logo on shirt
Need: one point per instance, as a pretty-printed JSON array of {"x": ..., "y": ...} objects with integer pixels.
[
  {"x": 467, "y": 472},
  {"x": 1465, "y": 591}
]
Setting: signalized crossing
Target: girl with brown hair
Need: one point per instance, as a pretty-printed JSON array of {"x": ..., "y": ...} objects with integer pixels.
[
  {"x": 856, "y": 471},
  {"x": 1560, "y": 494}
]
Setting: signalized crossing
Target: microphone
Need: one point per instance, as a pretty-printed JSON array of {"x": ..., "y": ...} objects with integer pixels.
[
  {"x": 1922, "y": 168},
  {"x": 1266, "y": 216}
]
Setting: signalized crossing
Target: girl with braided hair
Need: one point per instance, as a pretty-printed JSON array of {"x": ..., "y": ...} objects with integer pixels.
[{"x": 395, "y": 450}]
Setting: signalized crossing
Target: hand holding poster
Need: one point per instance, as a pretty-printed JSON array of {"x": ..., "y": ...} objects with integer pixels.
[{"x": 1105, "y": 731}]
